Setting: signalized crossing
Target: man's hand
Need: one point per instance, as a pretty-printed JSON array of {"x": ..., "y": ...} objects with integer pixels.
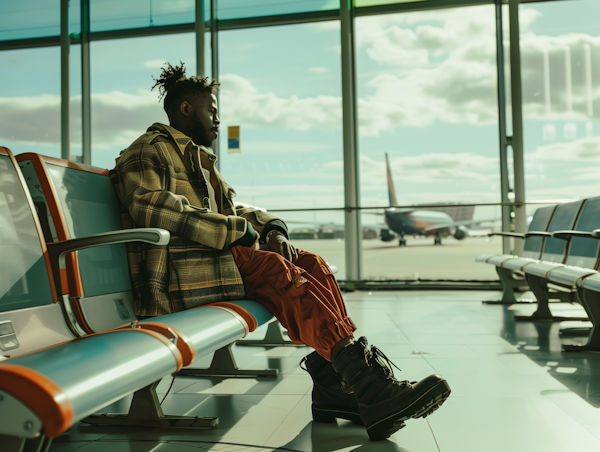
[{"x": 278, "y": 243}]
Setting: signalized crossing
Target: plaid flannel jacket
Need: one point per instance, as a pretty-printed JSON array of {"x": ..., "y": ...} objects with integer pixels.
[{"x": 160, "y": 184}]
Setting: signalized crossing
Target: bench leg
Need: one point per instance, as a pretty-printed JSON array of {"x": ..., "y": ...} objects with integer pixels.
[
  {"x": 223, "y": 365},
  {"x": 509, "y": 285},
  {"x": 17, "y": 444},
  {"x": 273, "y": 338},
  {"x": 591, "y": 303},
  {"x": 540, "y": 289},
  {"x": 145, "y": 411}
]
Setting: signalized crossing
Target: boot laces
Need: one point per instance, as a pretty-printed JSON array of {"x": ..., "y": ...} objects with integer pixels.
[
  {"x": 377, "y": 358},
  {"x": 303, "y": 364}
]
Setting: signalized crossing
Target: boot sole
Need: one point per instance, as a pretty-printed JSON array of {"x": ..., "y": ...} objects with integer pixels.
[
  {"x": 420, "y": 408},
  {"x": 328, "y": 416}
]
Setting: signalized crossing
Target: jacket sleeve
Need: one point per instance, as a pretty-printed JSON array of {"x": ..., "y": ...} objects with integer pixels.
[
  {"x": 148, "y": 187},
  {"x": 262, "y": 221}
]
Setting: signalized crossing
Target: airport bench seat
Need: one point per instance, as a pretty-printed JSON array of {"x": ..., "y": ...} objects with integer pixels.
[
  {"x": 576, "y": 266},
  {"x": 80, "y": 201},
  {"x": 53, "y": 388},
  {"x": 72, "y": 367},
  {"x": 570, "y": 276},
  {"x": 573, "y": 243},
  {"x": 509, "y": 267}
]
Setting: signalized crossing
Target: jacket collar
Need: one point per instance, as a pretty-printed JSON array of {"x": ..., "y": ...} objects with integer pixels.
[{"x": 181, "y": 140}]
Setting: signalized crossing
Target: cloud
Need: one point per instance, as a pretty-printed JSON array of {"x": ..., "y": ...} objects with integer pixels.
[
  {"x": 426, "y": 168},
  {"x": 441, "y": 65},
  {"x": 318, "y": 70},
  {"x": 154, "y": 63},
  {"x": 460, "y": 87},
  {"x": 30, "y": 119},
  {"x": 585, "y": 150},
  {"x": 242, "y": 103},
  {"x": 117, "y": 118},
  {"x": 587, "y": 173}
]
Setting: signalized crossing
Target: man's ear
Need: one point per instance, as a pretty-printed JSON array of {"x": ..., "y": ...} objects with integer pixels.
[{"x": 185, "y": 108}]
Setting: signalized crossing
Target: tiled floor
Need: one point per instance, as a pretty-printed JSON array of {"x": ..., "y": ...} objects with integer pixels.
[{"x": 512, "y": 388}]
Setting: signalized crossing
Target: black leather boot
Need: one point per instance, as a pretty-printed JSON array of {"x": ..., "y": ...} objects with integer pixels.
[
  {"x": 329, "y": 401},
  {"x": 384, "y": 402}
]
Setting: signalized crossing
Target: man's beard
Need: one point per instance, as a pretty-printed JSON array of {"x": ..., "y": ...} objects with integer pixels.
[{"x": 202, "y": 137}]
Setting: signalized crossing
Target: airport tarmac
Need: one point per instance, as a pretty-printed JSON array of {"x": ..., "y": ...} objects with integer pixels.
[{"x": 420, "y": 259}]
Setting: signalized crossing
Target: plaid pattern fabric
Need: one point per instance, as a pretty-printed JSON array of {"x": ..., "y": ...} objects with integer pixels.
[{"x": 160, "y": 184}]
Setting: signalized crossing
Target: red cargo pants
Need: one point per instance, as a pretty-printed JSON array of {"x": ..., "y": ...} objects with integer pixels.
[{"x": 303, "y": 296}]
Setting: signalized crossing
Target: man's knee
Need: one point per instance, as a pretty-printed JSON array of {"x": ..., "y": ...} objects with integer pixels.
[{"x": 309, "y": 261}]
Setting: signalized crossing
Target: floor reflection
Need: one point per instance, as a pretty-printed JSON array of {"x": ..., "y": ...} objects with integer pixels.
[
  {"x": 317, "y": 437},
  {"x": 541, "y": 342}
]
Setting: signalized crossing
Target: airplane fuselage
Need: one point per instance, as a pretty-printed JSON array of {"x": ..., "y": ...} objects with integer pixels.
[{"x": 415, "y": 222}]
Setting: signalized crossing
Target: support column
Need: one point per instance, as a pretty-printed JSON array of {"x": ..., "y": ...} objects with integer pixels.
[
  {"x": 352, "y": 220},
  {"x": 214, "y": 50},
  {"x": 86, "y": 105},
  {"x": 502, "y": 127},
  {"x": 65, "y": 85},
  {"x": 200, "y": 29},
  {"x": 517, "y": 117}
]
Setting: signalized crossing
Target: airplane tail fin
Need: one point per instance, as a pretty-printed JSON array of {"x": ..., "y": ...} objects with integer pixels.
[{"x": 390, "y": 182}]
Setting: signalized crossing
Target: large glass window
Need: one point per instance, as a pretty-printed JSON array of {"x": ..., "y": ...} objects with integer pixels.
[
  {"x": 25, "y": 19},
  {"x": 238, "y": 9},
  {"x": 560, "y": 55},
  {"x": 427, "y": 87},
  {"x": 282, "y": 86},
  {"x": 119, "y": 15},
  {"x": 123, "y": 105},
  {"x": 360, "y": 3},
  {"x": 30, "y": 100}
]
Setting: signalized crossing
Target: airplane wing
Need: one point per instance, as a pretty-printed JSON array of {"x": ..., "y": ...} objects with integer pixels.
[{"x": 458, "y": 223}]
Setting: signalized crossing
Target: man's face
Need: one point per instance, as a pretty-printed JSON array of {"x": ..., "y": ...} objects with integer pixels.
[{"x": 205, "y": 120}]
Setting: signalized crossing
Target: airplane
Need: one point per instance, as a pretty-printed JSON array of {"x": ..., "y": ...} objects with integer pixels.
[{"x": 406, "y": 221}]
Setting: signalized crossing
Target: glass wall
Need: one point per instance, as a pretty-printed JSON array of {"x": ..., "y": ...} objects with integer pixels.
[
  {"x": 427, "y": 110},
  {"x": 123, "y": 105},
  {"x": 560, "y": 54},
  {"x": 26, "y": 19},
  {"x": 282, "y": 87},
  {"x": 238, "y": 9},
  {"x": 30, "y": 100},
  {"x": 119, "y": 15},
  {"x": 427, "y": 85}
]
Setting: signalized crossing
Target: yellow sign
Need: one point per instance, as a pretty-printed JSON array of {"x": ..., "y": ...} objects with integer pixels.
[{"x": 233, "y": 140}]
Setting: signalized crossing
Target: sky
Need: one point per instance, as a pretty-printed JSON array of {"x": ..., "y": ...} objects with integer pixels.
[{"x": 426, "y": 96}]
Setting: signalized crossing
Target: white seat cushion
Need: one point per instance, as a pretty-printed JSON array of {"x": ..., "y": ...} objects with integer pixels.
[
  {"x": 573, "y": 276},
  {"x": 541, "y": 269},
  {"x": 592, "y": 283},
  {"x": 518, "y": 263},
  {"x": 498, "y": 260}
]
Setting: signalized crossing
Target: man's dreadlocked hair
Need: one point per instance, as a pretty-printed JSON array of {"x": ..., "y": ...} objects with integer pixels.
[{"x": 174, "y": 86}]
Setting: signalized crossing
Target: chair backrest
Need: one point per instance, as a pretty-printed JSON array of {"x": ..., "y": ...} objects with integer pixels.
[
  {"x": 584, "y": 252},
  {"x": 82, "y": 202},
  {"x": 564, "y": 218},
  {"x": 30, "y": 317},
  {"x": 539, "y": 222}
]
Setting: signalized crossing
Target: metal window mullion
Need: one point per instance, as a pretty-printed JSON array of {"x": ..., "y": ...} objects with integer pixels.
[
  {"x": 502, "y": 126},
  {"x": 199, "y": 30},
  {"x": 517, "y": 119},
  {"x": 352, "y": 220},
  {"x": 86, "y": 105},
  {"x": 214, "y": 51},
  {"x": 417, "y": 6},
  {"x": 65, "y": 86}
]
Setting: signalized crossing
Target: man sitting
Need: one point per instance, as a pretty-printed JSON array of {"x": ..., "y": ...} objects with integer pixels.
[{"x": 167, "y": 179}]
